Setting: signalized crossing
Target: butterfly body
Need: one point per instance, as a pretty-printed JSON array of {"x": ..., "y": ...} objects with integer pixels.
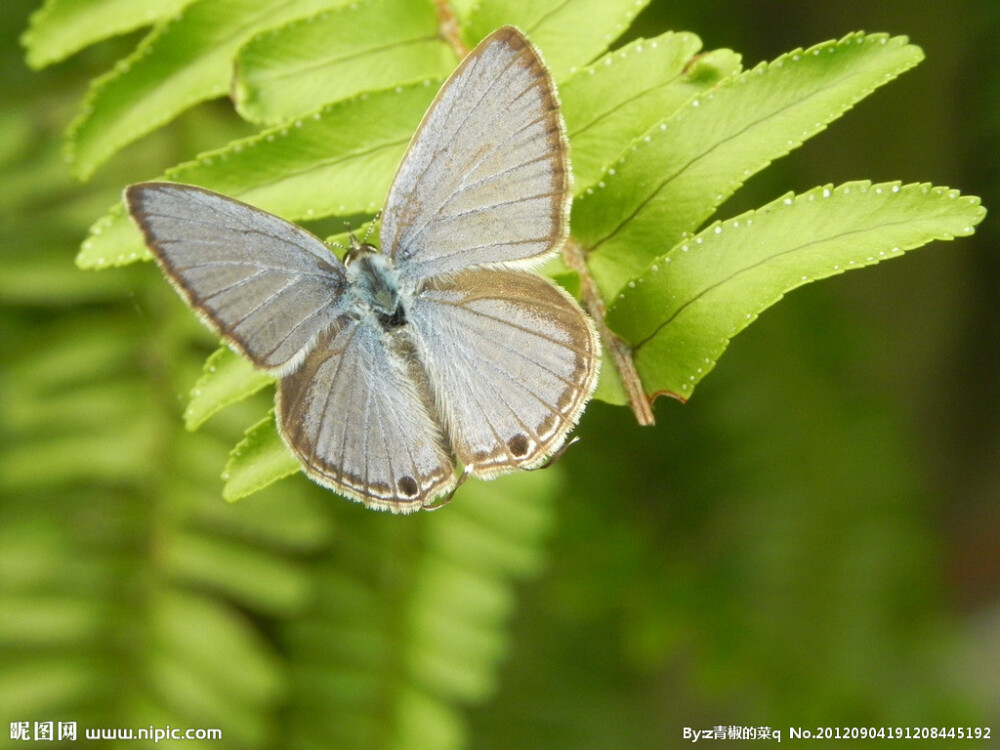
[
  {"x": 441, "y": 350},
  {"x": 375, "y": 287}
]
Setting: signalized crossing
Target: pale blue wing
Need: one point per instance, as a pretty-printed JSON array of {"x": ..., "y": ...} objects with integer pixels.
[
  {"x": 356, "y": 415},
  {"x": 486, "y": 178},
  {"x": 266, "y": 286},
  {"x": 512, "y": 361}
]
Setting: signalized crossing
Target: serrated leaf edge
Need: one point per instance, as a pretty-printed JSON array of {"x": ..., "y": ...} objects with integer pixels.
[
  {"x": 250, "y": 436},
  {"x": 789, "y": 199},
  {"x": 99, "y": 84},
  {"x": 634, "y": 150},
  {"x": 235, "y": 395}
]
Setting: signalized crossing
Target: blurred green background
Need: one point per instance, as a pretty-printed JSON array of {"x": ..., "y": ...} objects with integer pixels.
[{"x": 813, "y": 540}]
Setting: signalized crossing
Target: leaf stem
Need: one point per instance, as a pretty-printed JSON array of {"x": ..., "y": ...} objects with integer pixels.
[
  {"x": 621, "y": 353},
  {"x": 448, "y": 28}
]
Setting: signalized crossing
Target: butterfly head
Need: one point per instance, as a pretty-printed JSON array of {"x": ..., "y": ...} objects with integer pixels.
[
  {"x": 357, "y": 250},
  {"x": 361, "y": 247},
  {"x": 375, "y": 284}
]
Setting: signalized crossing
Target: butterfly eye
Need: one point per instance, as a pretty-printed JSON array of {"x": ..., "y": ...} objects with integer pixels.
[{"x": 358, "y": 250}]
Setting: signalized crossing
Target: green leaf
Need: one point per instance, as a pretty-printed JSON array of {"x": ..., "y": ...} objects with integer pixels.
[
  {"x": 286, "y": 518},
  {"x": 32, "y": 409},
  {"x": 185, "y": 61},
  {"x": 62, "y": 27},
  {"x": 46, "y": 679},
  {"x": 493, "y": 515},
  {"x": 28, "y": 278},
  {"x": 260, "y": 459},
  {"x": 102, "y": 498},
  {"x": 227, "y": 379},
  {"x": 570, "y": 34},
  {"x": 210, "y": 637},
  {"x": 337, "y": 161},
  {"x": 33, "y": 620},
  {"x": 362, "y": 47},
  {"x": 624, "y": 93},
  {"x": 93, "y": 455},
  {"x": 610, "y": 388},
  {"x": 254, "y": 576},
  {"x": 671, "y": 179},
  {"x": 681, "y": 312},
  {"x": 411, "y": 620}
]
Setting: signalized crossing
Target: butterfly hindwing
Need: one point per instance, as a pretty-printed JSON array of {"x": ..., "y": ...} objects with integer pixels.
[
  {"x": 356, "y": 414},
  {"x": 512, "y": 360}
]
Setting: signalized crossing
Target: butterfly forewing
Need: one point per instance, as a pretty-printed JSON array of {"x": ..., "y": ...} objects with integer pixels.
[
  {"x": 355, "y": 413},
  {"x": 265, "y": 285},
  {"x": 486, "y": 180},
  {"x": 512, "y": 360}
]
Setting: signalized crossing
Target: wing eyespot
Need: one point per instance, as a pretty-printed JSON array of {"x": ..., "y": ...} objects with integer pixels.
[
  {"x": 519, "y": 445},
  {"x": 408, "y": 487}
]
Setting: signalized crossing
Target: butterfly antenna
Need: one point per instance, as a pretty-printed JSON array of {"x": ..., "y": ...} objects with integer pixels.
[
  {"x": 337, "y": 244},
  {"x": 371, "y": 227}
]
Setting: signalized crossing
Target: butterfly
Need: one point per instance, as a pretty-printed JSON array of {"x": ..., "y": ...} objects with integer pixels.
[{"x": 442, "y": 346}]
